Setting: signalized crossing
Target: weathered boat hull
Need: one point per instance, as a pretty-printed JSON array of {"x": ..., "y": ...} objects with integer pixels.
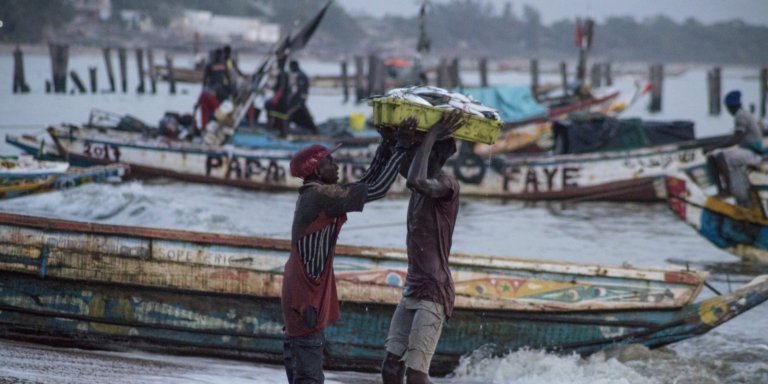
[
  {"x": 634, "y": 175},
  {"x": 72, "y": 178},
  {"x": 109, "y": 286},
  {"x": 737, "y": 230},
  {"x": 116, "y": 317},
  {"x": 535, "y": 135}
]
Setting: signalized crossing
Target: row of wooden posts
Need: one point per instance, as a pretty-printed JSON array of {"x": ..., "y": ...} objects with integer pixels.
[
  {"x": 448, "y": 77},
  {"x": 600, "y": 75},
  {"x": 714, "y": 91},
  {"x": 370, "y": 82},
  {"x": 59, "y": 69}
]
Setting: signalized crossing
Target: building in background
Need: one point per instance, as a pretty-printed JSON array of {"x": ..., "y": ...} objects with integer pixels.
[
  {"x": 93, "y": 10},
  {"x": 226, "y": 29}
]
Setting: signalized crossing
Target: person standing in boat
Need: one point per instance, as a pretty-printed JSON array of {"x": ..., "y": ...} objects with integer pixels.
[
  {"x": 277, "y": 105},
  {"x": 213, "y": 92},
  {"x": 309, "y": 300},
  {"x": 216, "y": 76},
  {"x": 297, "y": 105},
  {"x": 742, "y": 150},
  {"x": 235, "y": 75},
  {"x": 429, "y": 293}
]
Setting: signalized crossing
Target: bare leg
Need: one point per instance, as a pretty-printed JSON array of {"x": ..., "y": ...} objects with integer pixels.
[
  {"x": 392, "y": 370},
  {"x": 413, "y": 376}
]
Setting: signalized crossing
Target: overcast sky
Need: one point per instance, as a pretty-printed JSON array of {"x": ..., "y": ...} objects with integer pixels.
[{"x": 707, "y": 11}]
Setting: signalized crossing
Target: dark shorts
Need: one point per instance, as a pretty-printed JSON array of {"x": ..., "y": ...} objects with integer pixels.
[{"x": 303, "y": 358}]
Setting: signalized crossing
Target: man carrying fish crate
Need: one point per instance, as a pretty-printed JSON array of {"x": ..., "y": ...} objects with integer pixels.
[
  {"x": 429, "y": 292},
  {"x": 309, "y": 299}
]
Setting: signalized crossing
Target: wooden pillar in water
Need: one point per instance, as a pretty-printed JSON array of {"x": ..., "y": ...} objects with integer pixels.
[
  {"x": 140, "y": 68},
  {"x": 714, "y": 84},
  {"x": 595, "y": 75},
  {"x": 535, "y": 77},
  {"x": 19, "y": 82},
  {"x": 359, "y": 78},
  {"x": 710, "y": 106},
  {"x": 122, "y": 58},
  {"x": 92, "y": 77},
  {"x": 78, "y": 82},
  {"x": 373, "y": 64},
  {"x": 564, "y": 76},
  {"x": 608, "y": 75},
  {"x": 763, "y": 91},
  {"x": 151, "y": 68},
  {"x": 344, "y": 81},
  {"x": 171, "y": 75},
  {"x": 59, "y": 63},
  {"x": 110, "y": 71},
  {"x": 381, "y": 77},
  {"x": 581, "y": 67},
  {"x": 657, "y": 82},
  {"x": 455, "y": 73},
  {"x": 483, "y": 68},
  {"x": 718, "y": 88},
  {"x": 442, "y": 74}
]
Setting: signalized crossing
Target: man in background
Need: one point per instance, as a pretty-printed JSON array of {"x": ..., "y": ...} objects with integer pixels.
[
  {"x": 297, "y": 104},
  {"x": 742, "y": 150}
]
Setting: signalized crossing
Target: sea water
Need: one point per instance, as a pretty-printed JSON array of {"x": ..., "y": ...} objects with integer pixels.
[{"x": 593, "y": 232}]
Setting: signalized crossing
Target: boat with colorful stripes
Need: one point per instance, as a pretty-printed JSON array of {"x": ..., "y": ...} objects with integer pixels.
[
  {"x": 116, "y": 287},
  {"x": 742, "y": 231},
  {"x": 23, "y": 175},
  {"x": 620, "y": 175}
]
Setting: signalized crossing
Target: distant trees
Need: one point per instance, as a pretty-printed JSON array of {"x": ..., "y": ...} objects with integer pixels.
[
  {"x": 532, "y": 20},
  {"x": 24, "y": 21},
  {"x": 467, "y": 28}
]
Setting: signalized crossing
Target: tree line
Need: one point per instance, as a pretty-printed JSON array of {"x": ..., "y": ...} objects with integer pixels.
[{"x": 466, "y": 28}]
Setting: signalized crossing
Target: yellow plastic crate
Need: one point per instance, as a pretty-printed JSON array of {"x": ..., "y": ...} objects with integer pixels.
[{"x": 393, "y": 111}]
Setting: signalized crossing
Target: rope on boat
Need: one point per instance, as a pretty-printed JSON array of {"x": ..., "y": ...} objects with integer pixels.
[{"x": 712, "y": 288}]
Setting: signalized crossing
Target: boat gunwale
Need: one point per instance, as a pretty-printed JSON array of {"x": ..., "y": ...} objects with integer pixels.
[{"x": 662, "y": 274}]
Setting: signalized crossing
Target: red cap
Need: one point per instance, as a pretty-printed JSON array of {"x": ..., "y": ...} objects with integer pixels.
[{"x": 305, "y": 161}]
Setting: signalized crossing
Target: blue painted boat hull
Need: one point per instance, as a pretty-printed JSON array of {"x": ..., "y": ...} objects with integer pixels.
[{"x": 123, "y": 317}]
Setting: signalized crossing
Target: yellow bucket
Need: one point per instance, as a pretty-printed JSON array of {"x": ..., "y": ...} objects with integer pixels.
[{"x": 357, "y": 121}]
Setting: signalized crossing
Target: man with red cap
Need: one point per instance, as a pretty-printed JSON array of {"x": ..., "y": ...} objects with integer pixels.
[{"x": 309, "y": 299}]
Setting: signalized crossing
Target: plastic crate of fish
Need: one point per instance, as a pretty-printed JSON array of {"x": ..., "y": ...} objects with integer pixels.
[{"x": 392, "y": 111}]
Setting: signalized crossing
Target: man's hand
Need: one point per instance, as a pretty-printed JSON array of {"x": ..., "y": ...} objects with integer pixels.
[
  {"x": 448, "y": 124},
  {"x": 406, "y": 133},
  {"x": 387, "y": 133}
]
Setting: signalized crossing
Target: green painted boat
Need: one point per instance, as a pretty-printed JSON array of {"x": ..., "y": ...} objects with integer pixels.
[
  {"x": 23, "y": 175},
  {"x": 119, "y": 287}
]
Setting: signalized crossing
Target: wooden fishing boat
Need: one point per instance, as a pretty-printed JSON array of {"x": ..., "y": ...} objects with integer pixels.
[
  {"x": 531, "y": 132},
  {"x": 635, "y": 174},
  {"x": 619, "y": 175},
  {"x": 739, "y": 230},
  {"x": 180, "y": 74},
  {"x": 20, "y": 176},
  {"x": 251, "y": 136},
  {"x": 262, "y": 168},
  {"x": 116, "y": 287}
]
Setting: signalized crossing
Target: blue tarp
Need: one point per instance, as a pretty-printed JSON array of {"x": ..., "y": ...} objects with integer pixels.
[
  {"x": 514, "y": 103},
  {"x": 265, "y": 141}
]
